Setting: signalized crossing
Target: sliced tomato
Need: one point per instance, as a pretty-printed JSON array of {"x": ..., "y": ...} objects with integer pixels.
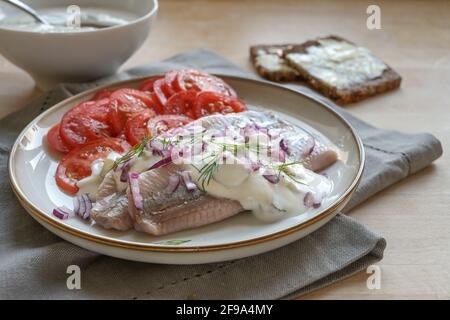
[
  {"x": 148, "y": 84},
  {"x": 159, "y": 108},
  {"x": 181, "y": 103},
  {"x": 102, "y": 94},
  {"x": 159, "y": 94},
  {"x": 136, "y": 128},
  {"x": 208, "y": 103},
  {"x": 55, "y": 141},
  {"x": 169, "y": 80},
  {"x": 200, "y": 81},
  {"x": 122, "y": 135},
  {"x": 86, "y": 122},
  {"x": 163, "y": 123},
  {"x": 76, "y": 165},
  {"x": 132, "y": 96},
  {"x": 125, "y": 103}
]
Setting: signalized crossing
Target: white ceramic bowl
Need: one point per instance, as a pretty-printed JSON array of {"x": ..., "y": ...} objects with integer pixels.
[{"x": 77, "y": 56}]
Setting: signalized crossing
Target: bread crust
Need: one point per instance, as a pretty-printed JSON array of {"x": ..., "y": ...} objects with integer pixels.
[{"x": 278, "y": 76}]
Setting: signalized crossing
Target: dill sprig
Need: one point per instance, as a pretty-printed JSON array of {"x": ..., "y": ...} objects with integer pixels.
[
  {"x": 284, "y": 168},
  {"x": 207, "y": 171},
  {"x": 136, "y": 151}
]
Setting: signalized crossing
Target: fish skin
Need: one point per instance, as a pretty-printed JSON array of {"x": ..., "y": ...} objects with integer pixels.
[
  {"x": 193, "y": 214},
  {"x": 111, "y": 212},
  {"x": 107, "y": 187},
  {"x": 111, "y": 208},
  {"x": 166, "y": 212}
]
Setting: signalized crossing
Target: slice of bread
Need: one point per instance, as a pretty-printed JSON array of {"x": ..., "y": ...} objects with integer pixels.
[
  {"x": 270, "y": 64},
  {"x": 353, "y": 92}
]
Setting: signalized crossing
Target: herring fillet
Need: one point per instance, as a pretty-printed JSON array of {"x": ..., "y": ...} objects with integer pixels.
[
  {"x": 320, "y": 158},
  {"x": 166, "y": 213},
  {"x": 111, "y": 209}
]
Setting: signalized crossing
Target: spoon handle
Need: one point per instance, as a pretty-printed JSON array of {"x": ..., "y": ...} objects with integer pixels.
[{"x": 24, "y": 7}]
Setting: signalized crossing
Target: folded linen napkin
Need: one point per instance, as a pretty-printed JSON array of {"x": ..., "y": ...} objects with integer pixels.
[{"x": 33, "y": 261}]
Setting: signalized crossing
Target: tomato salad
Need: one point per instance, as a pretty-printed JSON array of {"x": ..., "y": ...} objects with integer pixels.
[{"x": 115, "y": 120}]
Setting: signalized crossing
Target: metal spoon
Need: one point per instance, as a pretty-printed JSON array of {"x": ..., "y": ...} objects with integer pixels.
[
  {"x": 26, "y": 8},
  {"x": 87, "y": 22}
]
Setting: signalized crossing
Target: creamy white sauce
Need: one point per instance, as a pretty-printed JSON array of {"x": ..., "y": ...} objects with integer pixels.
[
  {"x": 58, "y": 17},
  {"x": 339, "y": 63},
  {"x": 236, "y": 180},
  {"x": 267, "y": 201}
]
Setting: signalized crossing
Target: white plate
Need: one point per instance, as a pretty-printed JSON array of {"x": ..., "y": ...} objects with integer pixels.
[{"x": 32, "y": 166}]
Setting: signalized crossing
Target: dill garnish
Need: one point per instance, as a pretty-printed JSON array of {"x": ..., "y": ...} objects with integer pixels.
[
  {"x": 207, "y": 171},
  {"x": 284, "y": 168},
  {"x": 136, "y": 151}
]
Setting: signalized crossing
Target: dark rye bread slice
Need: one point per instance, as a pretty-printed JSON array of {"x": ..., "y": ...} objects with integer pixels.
[
  {"x": 389, "y": 80},
  {"x": 285, "y": 73}
]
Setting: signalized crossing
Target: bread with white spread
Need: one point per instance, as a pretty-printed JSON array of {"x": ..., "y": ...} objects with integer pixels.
[
  {"x": 270, "y": 64},
  {"x": 340, "y": 70}
]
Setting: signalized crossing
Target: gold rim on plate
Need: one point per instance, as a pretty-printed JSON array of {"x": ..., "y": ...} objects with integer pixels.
[{"x": 41, "y": 216}]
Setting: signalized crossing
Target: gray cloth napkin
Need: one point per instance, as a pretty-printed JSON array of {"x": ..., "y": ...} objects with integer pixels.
[{"x": 33, "y": 261}]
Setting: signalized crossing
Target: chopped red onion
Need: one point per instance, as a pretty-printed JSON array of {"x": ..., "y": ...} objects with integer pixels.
[
  {"x": 273, "y": 133},
  {"x": 309, "y": 146},
  {"x": 161, "y": 163},
  {"x": 255, "y": 166},
  {"x": 82, "y": 206},
  {"x": 284, "y": 145},
  {"x": 156, "y": 145},
  {"x": 272, "y": 178},
  {"x": 76, "y": 205},
  {"x": 133, "y": 182},
  {"x": 174, "y": 182},
  {"x": 187, "y": 179},
  {"x": 82, "y": 210},
  {"x": 125, "y": 169},
  {"x": 88, "y": 203},
  {"x": 62, "y": 213},
  {"x": 311, "y": 200},
  {"x": 276, "y": 154}
]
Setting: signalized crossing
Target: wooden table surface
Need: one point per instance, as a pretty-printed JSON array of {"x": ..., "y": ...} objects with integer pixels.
[{"x": 414, "y": 215}]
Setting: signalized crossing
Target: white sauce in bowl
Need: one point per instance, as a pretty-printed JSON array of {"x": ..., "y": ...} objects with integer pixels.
[{"x": 62, "y": 21}]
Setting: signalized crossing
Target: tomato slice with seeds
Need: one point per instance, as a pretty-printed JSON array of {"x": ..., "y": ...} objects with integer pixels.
[
  {"x": 181, "y": 103},
  {"x": 76, "y": 165},
  {"x": 125, "y": 103},
  {"x": 159, "y": 92},
  {"x": 164, "y": 123},
  {"x": 200, "y": 81},
  {"x": 86, "y": 122},
  {"x": 54, "y": 140},
  {"x": 132, "y": 96},
  {"x": 169, "y": 80},
  {"x": 149, "y": 83},
  {"x": 136, "y": 128},
  {"x": 102, "y": 94},
  {"x": 208, "y": 103}
]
